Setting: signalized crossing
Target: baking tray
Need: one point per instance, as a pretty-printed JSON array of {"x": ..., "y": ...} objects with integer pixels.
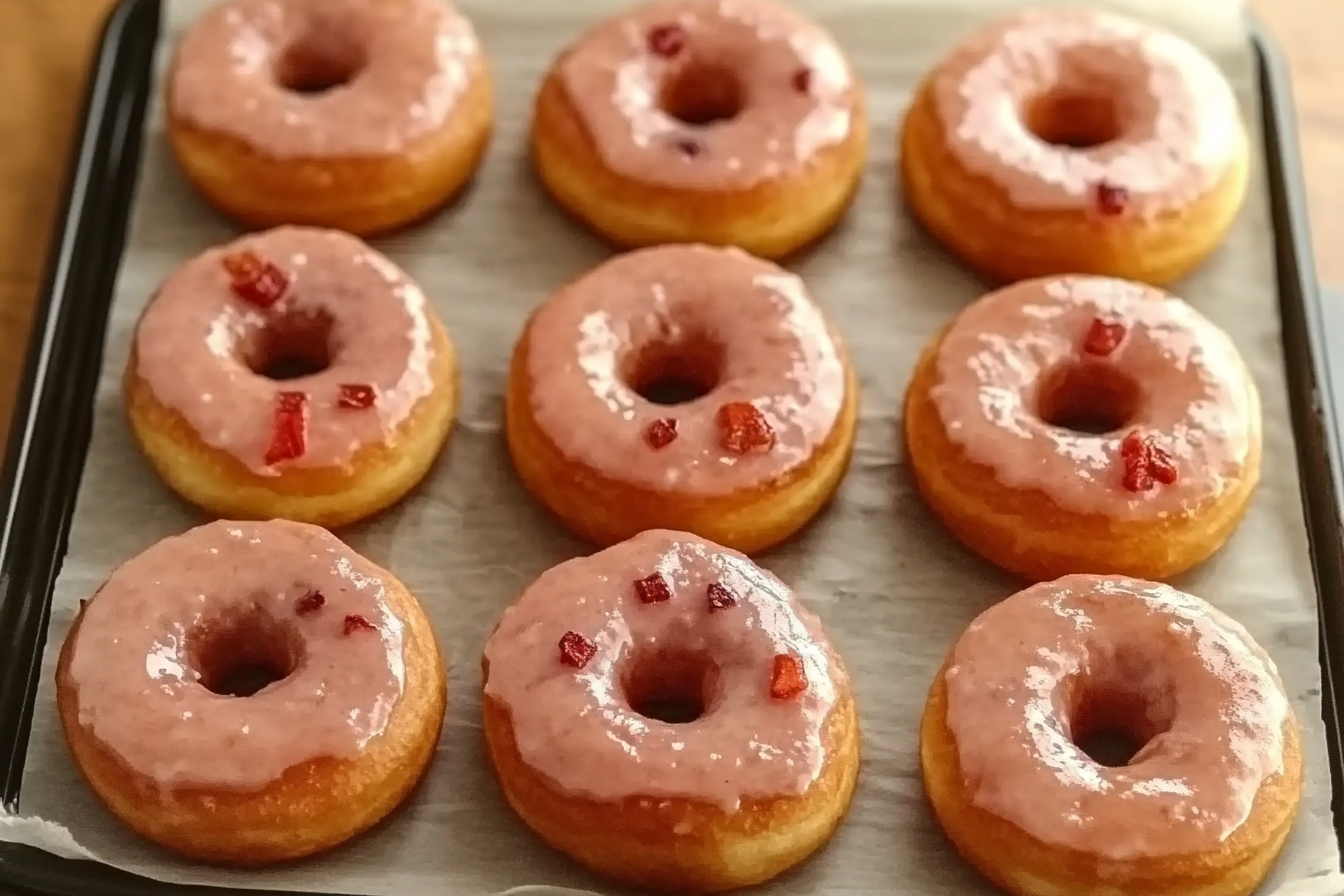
[{"x": 52, "y": 420}]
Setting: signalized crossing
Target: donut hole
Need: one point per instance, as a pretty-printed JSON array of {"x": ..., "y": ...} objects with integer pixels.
[
  {"x": 671, "y": 373},
  {"x": 1088, "y": 397},
  {"x": 291, "y": 346},
  {"x": 1111, "y": 723},
  {"x": 1109, "y": 747},
  {"x": 671, "y": 686},
  {"x": 1073, "y": 118},
  {"x": 1124, "y": 699},
  {"x": 700, "y": 94},
  {"x": 240, "y": 654},
  {"x": 325, "y": 57}
]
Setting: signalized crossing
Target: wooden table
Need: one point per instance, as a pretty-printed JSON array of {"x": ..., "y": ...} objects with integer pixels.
[{"x": 45, "y": 46}]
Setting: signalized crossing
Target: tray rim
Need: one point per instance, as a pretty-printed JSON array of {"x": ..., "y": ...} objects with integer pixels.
[{"x": 84, "y": 261}]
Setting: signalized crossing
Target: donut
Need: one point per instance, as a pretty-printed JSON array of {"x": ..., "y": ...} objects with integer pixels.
[
  {"x": 1084, "y": 425},
  {"x": 699, "y": 121},
  {"x": 670, "y": 716},
  {"x": 247, "y": 693},
  {"x": 295, "y": 373},
  {"x": 1073, "y": 142},
  {"x": 1198, "y": 768},
  {"x": 359, "y": 115},
  {"x": 682, "y": 386}
]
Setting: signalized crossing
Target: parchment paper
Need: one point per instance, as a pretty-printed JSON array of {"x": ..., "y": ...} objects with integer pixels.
[{"x": 894, "y": 589}]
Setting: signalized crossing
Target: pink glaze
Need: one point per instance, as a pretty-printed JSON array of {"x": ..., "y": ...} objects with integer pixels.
[
  {"x": 1213, "y": 697},
  {"x": 192, "y": 340},
  {"x": 1196, "y": 398},
  {"x": 776, "y": 349},
  {"x": 577, "y": 726},
  {"x": 1177, "y": 116},
  {"x": 618, "y": 87},
  {"x": 410, "y": 61},
  {"x": 134, "y": 667}
]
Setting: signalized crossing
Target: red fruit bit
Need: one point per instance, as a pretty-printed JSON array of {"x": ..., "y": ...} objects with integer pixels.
[
  {"x": 720, "y": 598},
  {"x": 1146, "y": 463},
  {"x": 661, "y": 433},
  {"x": 743, "y": 429},
  {"x": 1137, "y": 476},
  {"x": 310, "y": 603},
  {"x": 254, "y": 280},
  {"x": 356, "y": 396},
  {"x": 788, "y": 679},
  {"x": 802, "y": 80},
  {"x": 667, "y": 40},
  {"x": 687, "y": 147},
  {"x": 1103, "y": 337},
  {"x": 1161, "y": 467},
  {"x": 355, "y": 623},
  {"x": 653, "y": 589},
  {"x": 576, "y": 650},
  {"x": 1111, "y": 199},
  {"x": 290, "y": 438},
  {"x": 1132, "y": 445}
]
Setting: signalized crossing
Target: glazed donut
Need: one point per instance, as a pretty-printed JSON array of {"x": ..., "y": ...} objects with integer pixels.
[
  {"x": 1084, "y": 425},
  {"x": 683, "y": 387},
  {"x": 1071, "y": 142},
  {"x": 669, "y": 715},
  {"x": 700, "y": 121},
  {"x": 248, "y": 693},
  {"x": 359, "y": 115},
  {"x": 295, "y": 373},
  {"x": 1201, "y": 808}
]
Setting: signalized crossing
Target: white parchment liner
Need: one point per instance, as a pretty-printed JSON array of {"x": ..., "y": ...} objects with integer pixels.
[{"x": 893, "y": 588}]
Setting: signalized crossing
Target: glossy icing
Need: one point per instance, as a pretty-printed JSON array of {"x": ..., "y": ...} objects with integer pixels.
[
  {"x": 135, "y": 663},
  {"x": 1023, "y": 668},
  {"x": 1195, "y": 396},
  {"x": 1176, "y": 114},
  {"x": 410, "y": 62},
  {"x": 577, "y": 727},
  {"x": 774, "y": 350},
  {"x": 617, "y": 87},
  {"x": 194, "y": 337}
]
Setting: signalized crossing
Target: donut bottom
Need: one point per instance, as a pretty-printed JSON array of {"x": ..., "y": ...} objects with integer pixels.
[
  {"x": 1022, "y": 865},
  {"x": 377, "y": 477},
  {"x": 314, "y": 806},
  {"x": 678, "y": 845},
  {"x": 976, "y": 221},
  {"x": 770, "y": 220},
  {"x": 1026, "y": 534},
  {"x": 607, "y": 511},
  {"x": 364, "y": 196}
]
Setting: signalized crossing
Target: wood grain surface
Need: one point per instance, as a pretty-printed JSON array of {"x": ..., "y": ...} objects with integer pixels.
[{"x": 45, "y": 46}]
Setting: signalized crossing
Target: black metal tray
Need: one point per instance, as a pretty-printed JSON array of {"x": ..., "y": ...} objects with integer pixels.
[{"x": 49, "y": 435}]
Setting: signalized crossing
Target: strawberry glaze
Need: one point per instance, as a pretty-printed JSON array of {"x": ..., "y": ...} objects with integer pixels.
[
  {"x": 195, "y": 337},
  {"x": 134, "y": 663},
  {"x": 618, "y": 85},
  {"x": 577, "y": 726},
  {"x": 704, "y": 308},
  {"x": 409, "y": 61},
  {"x": 1196, "y": 397},
  {"x": 1210, "y": 697},
  {"x": 1176, "y": 117}
]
